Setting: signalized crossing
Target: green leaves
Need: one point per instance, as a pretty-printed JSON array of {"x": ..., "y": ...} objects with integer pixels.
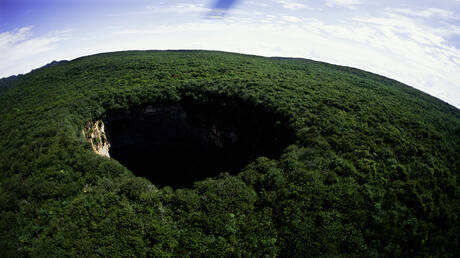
[{"x": 373, "y": 171}]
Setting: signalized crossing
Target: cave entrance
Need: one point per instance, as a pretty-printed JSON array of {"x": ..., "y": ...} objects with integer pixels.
[{"x": 176, "y": 144}]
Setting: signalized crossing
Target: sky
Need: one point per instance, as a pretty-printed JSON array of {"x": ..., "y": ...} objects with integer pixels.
[{"x": 414, "y": 42}]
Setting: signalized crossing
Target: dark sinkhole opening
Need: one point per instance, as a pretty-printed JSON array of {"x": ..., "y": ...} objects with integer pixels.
[{"x": 176, "y": 144}]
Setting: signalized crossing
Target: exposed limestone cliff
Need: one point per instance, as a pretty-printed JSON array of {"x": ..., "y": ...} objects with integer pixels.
[{"x": 94, "y": 132}]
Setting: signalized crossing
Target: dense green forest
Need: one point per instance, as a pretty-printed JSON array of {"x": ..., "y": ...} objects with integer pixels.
[
  {"x": 372, "y": 167},
  {"x": 7, "y": 81}
]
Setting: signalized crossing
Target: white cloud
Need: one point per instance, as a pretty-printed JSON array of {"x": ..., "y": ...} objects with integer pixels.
[
  {"x": 262, "y": 4},
  {"x": 18, "y": 49},
  {"x": 427, "y": 13},
  {"x": 11, "y": 37},
  {"x": 410, "y": 52},
  {"x": 291, "y": 5},
  {"x": 178, "y": 8},
  {"x": 346, "y": 3},
  {"x": 292, "y": 19}
]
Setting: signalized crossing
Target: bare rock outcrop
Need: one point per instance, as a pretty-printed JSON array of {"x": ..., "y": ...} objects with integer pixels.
[{"x": 94, "y": 132}]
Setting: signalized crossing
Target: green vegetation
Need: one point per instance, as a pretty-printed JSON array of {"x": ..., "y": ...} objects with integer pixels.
[
  {"x": 6, "y": 82},
  {"x": 374, "y": 170}
]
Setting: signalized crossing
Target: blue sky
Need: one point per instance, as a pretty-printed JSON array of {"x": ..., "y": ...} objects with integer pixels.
[{"x": 415, "y": 42}]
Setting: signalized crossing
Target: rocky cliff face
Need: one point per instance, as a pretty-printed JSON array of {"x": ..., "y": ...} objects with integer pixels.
[{"x": 94, "y": 132}]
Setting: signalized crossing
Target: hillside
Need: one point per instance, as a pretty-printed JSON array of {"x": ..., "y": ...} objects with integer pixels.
[
  {"x": 221, "y": 154},
  {"x": 7, "y": 81}
]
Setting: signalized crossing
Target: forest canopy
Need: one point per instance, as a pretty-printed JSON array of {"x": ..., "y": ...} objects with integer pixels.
[{"x": 370, "y": 167}]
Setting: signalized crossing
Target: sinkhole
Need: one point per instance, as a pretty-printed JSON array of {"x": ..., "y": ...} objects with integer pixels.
[{"x": 177, "y": 144}]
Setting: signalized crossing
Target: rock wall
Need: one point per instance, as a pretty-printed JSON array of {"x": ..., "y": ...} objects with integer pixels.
[{"x": 94, "y": 132}]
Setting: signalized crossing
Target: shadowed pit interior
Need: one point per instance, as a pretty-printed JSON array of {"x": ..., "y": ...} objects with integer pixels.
[{"x": 176, "y": 144}]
